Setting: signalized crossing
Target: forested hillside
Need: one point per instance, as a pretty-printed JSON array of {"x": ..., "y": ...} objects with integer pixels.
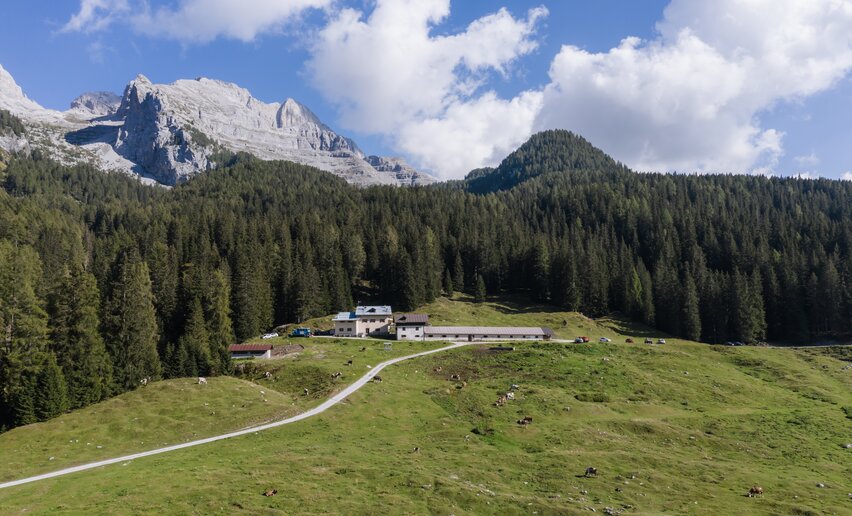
[{"x": 105, "y": 282}]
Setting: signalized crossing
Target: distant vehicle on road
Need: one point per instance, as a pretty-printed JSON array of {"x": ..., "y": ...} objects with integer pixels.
[
  {"x": 301, "y": 332},
  {"x": 324, "y": 332},
  {"x": 661, "y": 341},
  {"x": 269, "y": 335},
  {"x": 604, "y": 339},
  {"x": 578, "y": 340}
]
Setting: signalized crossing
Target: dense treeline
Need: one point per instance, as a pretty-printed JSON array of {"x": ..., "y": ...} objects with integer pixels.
[{"x": 105, "y": 282}]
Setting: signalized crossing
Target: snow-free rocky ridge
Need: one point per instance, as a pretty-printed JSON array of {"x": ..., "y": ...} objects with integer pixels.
[{"x": 169, "y": 132}]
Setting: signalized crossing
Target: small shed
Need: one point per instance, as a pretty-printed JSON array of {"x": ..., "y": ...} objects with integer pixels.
[{"x": 250, "y": 351}]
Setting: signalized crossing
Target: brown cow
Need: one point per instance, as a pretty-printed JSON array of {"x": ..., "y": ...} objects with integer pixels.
[
  {"x": 755, "y": 491},
  {"x": 525, "y": 421},
  {"x": 271, "y": 492}
]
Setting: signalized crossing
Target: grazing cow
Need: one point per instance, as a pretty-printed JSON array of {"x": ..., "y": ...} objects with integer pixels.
[
  {"x": 144, "y": 382},
  {"x": 510, "y": 396},
  {"x": 267, "y": 375},
  {"x": 755, "y": 491},
  {"x": 202, "y": 380},
  {"x": 500, "y": 401},
  {"x": 337, "y": 375},
  {"x": 514, "y": 387},
  {"x": 306, "y": 391},
  {"x": 591, "y": 472},
  {"x": 416, "y": 449},
  {"x": 525, "y": 421},
  {"x": 455, "y": 377},
  {"x": 364, "y": 349},
  {"x": 349, "y": 362},
  {"x": 271, "y": 492},
  {"x": 377, "y": 379},
  {"x": 438, "y": 369}
]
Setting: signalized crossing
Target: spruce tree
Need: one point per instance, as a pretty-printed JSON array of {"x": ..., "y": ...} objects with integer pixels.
[
  {"x": 220, "y": 326},
  {"x": 479, "y": 291},
  {"x": 131, "y": 323},
  {"x": 23, "y": 333},
  {"x": 76, "y": 339},
  {"x": 51, "y": 394},
  {"x": 690, "y": 316},
  {"x": 196, "y": 342}
]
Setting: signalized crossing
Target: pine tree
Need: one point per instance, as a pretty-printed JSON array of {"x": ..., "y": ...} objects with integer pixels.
[
  {"x": 221, "y": 330},
  {"x": 76, "y": 341},
  {"x": 479, "y": 292},
  {"x": 23, "y": 333},
  {"x": 51, "y": 394},
  {"x": 458, "y": 274},
  {"x": 196, "y": 342},
  {"x": 448, "y": 283},
  {"x": 131, "y": 323},
  {"x": 690, "y": 315},
  {"x": 541, "y": 271}
]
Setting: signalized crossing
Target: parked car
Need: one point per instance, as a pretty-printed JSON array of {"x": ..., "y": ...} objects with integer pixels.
[
  {"x": 661, "y": 341},
  {"x": 324, "y": 332},
  {"x": 578, "y": 340},
  {"x": 585, "y": 339},
  {"x": 629, "y": 341},
  {"x": 269, "y": 335},
  {"x": 649, "y": 341},
  {"x": 604, "y": 339}
]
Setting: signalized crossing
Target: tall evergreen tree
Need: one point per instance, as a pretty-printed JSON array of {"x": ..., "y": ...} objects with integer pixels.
[
  {"x": 76, "y": 339},
  {"x": 479, "y": 291},
  {"x": 196, "y": 342},
  {"x": 130, "y": 327},
  {"x": 690, "y": 314},
  {"x": 221, "y": 330}
]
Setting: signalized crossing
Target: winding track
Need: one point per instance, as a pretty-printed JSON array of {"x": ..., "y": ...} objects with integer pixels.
[{"x": 334, "y": 400}]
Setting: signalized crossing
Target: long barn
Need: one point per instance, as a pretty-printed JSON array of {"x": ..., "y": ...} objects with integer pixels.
[{"x": 476, "y": 333}]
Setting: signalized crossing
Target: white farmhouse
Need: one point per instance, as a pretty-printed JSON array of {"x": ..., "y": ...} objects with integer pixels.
[
  {"x": 363, "y": 322},
  {"x": 410, "y": 326}
]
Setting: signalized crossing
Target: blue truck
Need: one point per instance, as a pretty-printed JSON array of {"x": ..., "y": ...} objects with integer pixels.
[{"x": 301, "y": 332}]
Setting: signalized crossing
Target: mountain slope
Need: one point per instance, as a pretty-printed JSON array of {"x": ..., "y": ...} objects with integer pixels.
[{"x": 170, "y": 132}]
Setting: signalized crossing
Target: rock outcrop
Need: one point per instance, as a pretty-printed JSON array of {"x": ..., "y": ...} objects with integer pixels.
[
  {"x": 96, "y": 104},
  {"x": 169, "y": 132}
]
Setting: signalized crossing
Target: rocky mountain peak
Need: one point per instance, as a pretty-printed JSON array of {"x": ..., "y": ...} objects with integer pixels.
[
  {"x": 97, "y": 104},
  {"x": 295, "y": 114},
  {"x": 12, "y": 96}
]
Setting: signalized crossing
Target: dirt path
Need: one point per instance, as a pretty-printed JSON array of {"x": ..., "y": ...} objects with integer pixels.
[{"x": 334, "y": 400}]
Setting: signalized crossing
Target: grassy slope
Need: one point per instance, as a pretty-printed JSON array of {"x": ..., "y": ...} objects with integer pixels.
[
  {"x": 691, "y": 423},
  {"x": 177, "y": 411}
]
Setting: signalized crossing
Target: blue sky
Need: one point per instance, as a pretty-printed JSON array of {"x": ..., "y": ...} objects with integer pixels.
[{"x": 683, "y": 98}]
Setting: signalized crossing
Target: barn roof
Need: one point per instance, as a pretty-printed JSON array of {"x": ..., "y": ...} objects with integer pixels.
[
  {"x": 249, "y": 347},
  {"x": 361, "y": 311},
  {"x": 403, "y": 319},
  {"x": 488, "y": 330}
]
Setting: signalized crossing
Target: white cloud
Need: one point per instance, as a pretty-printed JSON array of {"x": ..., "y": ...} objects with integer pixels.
[
  {"x": 192, "y": 21},
  {"x": 390, "y": 75},
  {"x": 690, "y": 99},
  {"x": 95, "y": 15},
  {"x": 847, "y": 176},
  {"x": 811, "y": 160}
]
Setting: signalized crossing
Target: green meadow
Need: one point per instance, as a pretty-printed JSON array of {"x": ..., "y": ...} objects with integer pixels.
[{"x": 676, "y": 428}]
